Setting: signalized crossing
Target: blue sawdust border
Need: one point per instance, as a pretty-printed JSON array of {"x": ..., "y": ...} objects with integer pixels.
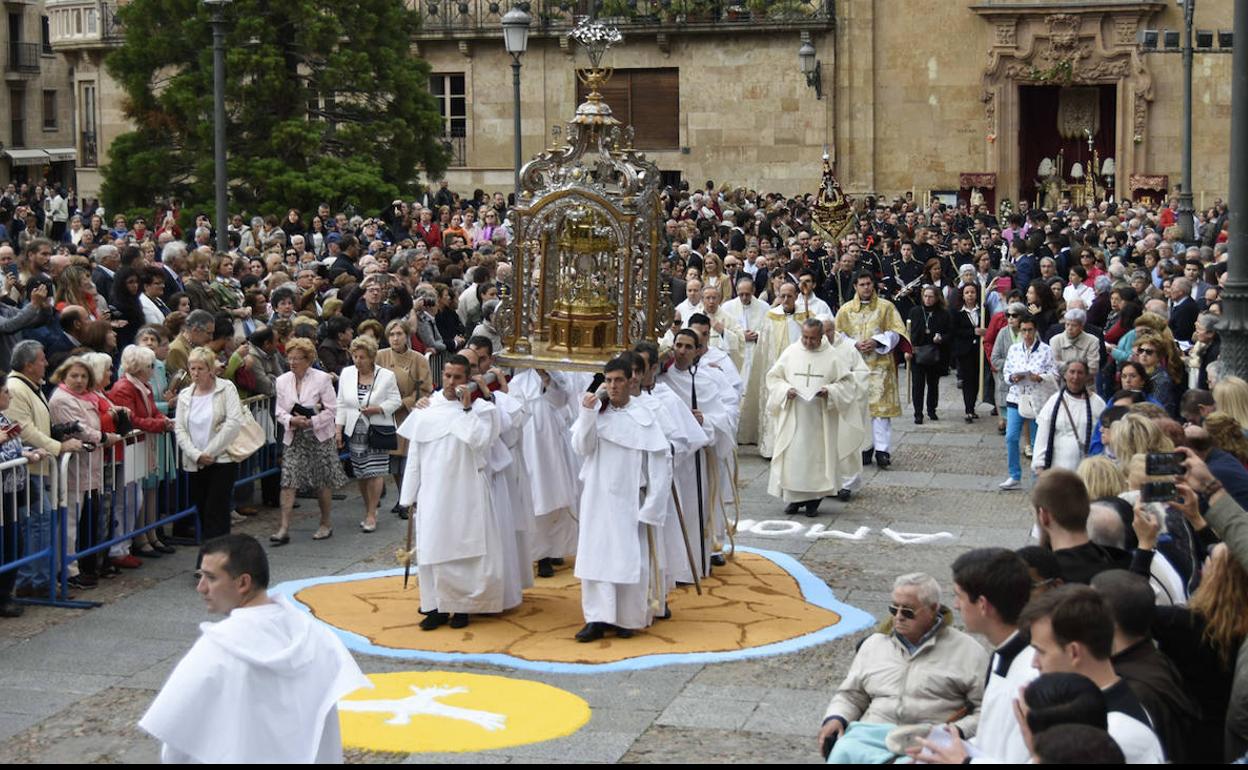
[{"x": 814, "y": 591}]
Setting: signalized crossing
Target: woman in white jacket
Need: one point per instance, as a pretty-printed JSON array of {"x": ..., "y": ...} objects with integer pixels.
[
  {"x": 1030, "y": 370},
  {"x": 209, "y": 418},
  {"x": 1064, "y": 426},
  {"x": 368, "y": 397}
]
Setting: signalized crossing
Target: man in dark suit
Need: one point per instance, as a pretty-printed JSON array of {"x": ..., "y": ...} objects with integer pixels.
[
  {"x": 1183, "y": 310},
  {"x": 107, "y": 260}
]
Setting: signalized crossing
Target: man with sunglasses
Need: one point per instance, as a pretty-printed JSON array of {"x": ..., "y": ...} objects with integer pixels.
[{"x": 922, "y": 671}]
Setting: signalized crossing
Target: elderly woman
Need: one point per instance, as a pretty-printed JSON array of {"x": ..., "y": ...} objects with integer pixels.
[
  {"x": 368, "y": 397},
  {"x": 133, "y": 391},
  {"x": 116, "y": 495},
  {"x": 72, "y": 402},
  {"x": 411, "y": 372},
  {"x": 1067, "y": 421},
  {"x": 486, "y": 327},
  {"x": 306, "y": 407},
  {"x": 209, "y": 417},
  {"x": 1030, "y": 370},
  {"x": 918, "y": 670}
]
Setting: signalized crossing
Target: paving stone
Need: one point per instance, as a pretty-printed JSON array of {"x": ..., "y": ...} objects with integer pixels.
[
  {"x": 713, "y": 713},
  {"x": 583, "y": 746}
]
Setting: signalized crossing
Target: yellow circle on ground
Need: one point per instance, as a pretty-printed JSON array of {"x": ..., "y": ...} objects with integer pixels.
[{"x": 439, "y": 711}]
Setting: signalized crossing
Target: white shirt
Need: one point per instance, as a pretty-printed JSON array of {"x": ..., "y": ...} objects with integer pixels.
[{"x": 199, "y": 421}]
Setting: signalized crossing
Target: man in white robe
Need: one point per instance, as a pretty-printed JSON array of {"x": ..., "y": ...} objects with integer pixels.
[
  {"x": 750, "y": 316},
  {"x": 807, "y": 301},
  {"x": 705, "y": 393},
  {"x": 782, "y": 329},
  {"x": 814, "y": 392},
  {"x": 550, "y": 464},
  {"x": 627, "y": 475},
  {"x": 459, "y": 548},
  {"x": 726, "y": 335},
  {"x": 717, "y": 358},
  {"x": 692, "y": 302},
  {"x": 261, "y": 686},
  {"x": 513, "y": 509},
  {"x": 685, "y": 436}
]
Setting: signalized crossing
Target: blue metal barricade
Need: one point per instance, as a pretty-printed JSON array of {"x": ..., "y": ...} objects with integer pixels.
[{"x": 28, "y": 526}]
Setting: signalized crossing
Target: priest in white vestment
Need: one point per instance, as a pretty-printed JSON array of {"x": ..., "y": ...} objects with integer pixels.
[
  {"x": 705, "y": 392},
  {"x": 782, "y": 329},
  {"x": 261, "y": 686},
  {"x": 627, "y": 476},
  {"x": 551, "y": 467},
  {"x": 750, "y": 316},
  {"x": 814, "y": 392},
  {"x": 692, "y": 302},
  {"x": 718, "y": 358},
  {"x": 726, "y": 335},
  {"x": 459, "y": 544}
]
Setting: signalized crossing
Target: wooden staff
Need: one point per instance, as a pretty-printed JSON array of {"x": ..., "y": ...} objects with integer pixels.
[
  {"x": 983, "y": 295},
  {"x": 909, "y": 363}
]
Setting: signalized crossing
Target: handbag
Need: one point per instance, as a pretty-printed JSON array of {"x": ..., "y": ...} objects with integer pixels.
[
  {"x": 381, "y": 438},
  {"x": 249, "y": 439},
  {"x": 1027, "y": 406},
  {"x": 927, "y": 355}
]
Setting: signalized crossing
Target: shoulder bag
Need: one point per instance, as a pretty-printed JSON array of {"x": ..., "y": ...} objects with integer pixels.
[{"x": 381, "y": 438}]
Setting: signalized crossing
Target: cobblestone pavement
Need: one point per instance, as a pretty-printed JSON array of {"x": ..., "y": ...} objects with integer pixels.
[{"x": 73, "y": 683}]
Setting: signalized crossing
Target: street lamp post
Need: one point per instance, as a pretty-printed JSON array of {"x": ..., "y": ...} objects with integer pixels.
[
  {"x": 218, "y": 120},
  {"x": 516, "y": 38},
  {"x": 1234, "y": 356},
  {"x": 1187, "y": 222}
]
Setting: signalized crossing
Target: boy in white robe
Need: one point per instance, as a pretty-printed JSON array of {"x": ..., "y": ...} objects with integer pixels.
[
  {"x": 459, "y": 548},
  {"x": 552, "y": 467},
  {"x": 627, "y": 480},
  {"x": 261, "y": 686}
]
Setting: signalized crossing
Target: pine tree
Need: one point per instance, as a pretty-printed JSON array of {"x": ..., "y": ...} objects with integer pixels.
[{"x": 324, "y": 103}]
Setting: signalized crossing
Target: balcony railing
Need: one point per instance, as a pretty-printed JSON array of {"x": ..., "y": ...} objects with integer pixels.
[
  {"x": 470, "y": 17},
  {"x": 24, "y": 57},
  {"x": 456, "y": 145},
  {"x": 83, "y": 24},
  {"x": 88, "y": 150}
]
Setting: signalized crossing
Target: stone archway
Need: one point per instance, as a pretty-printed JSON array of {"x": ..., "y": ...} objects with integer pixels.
[{"x": 1065, "y": 44}]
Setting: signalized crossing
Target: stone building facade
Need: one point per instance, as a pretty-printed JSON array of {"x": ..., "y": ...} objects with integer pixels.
[
  {"x": 37, "y": 135},
  {"x": 923, "y": 95}
]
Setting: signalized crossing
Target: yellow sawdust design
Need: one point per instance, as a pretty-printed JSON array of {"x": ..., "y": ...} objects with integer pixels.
[{"x": 749, "y": 603}]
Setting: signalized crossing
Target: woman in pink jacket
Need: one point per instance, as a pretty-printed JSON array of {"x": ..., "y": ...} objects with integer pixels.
[{"x": 306, "y": 401}]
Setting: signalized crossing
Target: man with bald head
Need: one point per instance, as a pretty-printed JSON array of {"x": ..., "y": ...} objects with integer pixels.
[
  {"x": 693, "y": 300},
  {"x": 750, "y": 315},
  {"x": 725, "y": 334},
  {"x": 1183, "y": 310}
]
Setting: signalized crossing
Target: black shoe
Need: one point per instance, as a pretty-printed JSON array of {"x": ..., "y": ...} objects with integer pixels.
[
  {"x": 968, "y": 419},
  {"x": 667, "y": 614},
  {"x": 792, "y": 509},
  {"x": 398, "y": 510},
  {"x": 718, "y": 560},
  {"x": 591, "y": 632},
  {"x": 932, "y": 416},
  {"x": 459, "y": 620},
  {"x": 10, "y": 609},
  {"x": 866, "y": 457},
  {"x": 82, "y": 582},
  {"x": 883, "y": 460},
  {"x": 146, "y": 552},
  {"x": 843, "y": 495},
  {"x": 164, "y": 547},
  {"x": 623, "y": 633},
  {"x": 557, "y": 561},
  {"x": 545, "y": 568},
  {"x": 974, "y": 416},
  {"x": 812, "y": 508},
  {"x": 433, "y": 620},
  {"x": 995, "y": 413},
  {"x": 918, "y": 419}
]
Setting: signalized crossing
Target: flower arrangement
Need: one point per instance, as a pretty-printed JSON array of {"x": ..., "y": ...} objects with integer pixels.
[{"x": 595, "y": 37}]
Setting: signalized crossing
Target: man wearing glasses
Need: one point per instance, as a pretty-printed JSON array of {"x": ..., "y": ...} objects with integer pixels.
[{"x": 923, "y": 670}]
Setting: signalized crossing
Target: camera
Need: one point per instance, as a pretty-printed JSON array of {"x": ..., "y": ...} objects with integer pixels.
[
  {"x": 64, "y": 430},
  {"x": 1158, "y": 492},
  {"x": 1164, "y": 464}
]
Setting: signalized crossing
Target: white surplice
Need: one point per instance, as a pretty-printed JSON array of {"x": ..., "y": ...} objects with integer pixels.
[
  {"x": 754, "y": 364},
  {"x": 780, "y": 330},
  {"x": 459, "y": 537},
  {"x": 818, "y": 438},
  {"x": 512, "y": 505},
  {"x": 260, "y": 687},
  {"x": 627, "y": 478},
  {"x": 551, "y": 466}
]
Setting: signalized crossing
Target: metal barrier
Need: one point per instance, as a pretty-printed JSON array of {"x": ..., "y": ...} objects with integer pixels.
[
  {"x": 111, "y": 495},
  {"x": 28, "y": 524}
]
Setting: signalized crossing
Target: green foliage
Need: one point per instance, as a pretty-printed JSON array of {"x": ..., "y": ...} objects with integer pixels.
[{"x": 324, "y": 102}]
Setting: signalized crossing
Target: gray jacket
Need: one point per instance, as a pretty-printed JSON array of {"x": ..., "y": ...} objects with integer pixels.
[{"x": 12, "y": 321}]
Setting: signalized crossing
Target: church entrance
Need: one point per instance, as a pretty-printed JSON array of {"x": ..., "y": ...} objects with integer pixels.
[{"x": 1074, "y": 128}]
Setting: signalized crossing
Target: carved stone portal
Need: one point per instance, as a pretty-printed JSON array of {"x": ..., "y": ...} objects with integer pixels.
[{"x": 1065, "y": 45}]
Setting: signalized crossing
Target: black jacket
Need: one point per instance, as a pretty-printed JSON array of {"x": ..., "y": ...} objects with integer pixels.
[
  {"x": 965, "y": 343},
  {"x": 922, "y": 327}
]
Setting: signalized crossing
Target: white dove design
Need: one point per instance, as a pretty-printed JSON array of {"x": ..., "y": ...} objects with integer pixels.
[{"x": 424, "y": 701}]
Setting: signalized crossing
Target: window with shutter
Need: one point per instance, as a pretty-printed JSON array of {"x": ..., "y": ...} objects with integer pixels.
[{"x": 649, "y": 101}]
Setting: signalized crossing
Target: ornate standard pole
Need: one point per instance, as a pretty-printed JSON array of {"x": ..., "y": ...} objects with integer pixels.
[
  {"x": 218, "y": 121},
  {"x": 1234, "y": 356}
]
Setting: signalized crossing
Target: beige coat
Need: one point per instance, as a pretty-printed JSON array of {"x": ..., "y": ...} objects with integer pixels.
[
  {"x": 227, "y": 420},
  {"x": 944, "y": 679}
]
